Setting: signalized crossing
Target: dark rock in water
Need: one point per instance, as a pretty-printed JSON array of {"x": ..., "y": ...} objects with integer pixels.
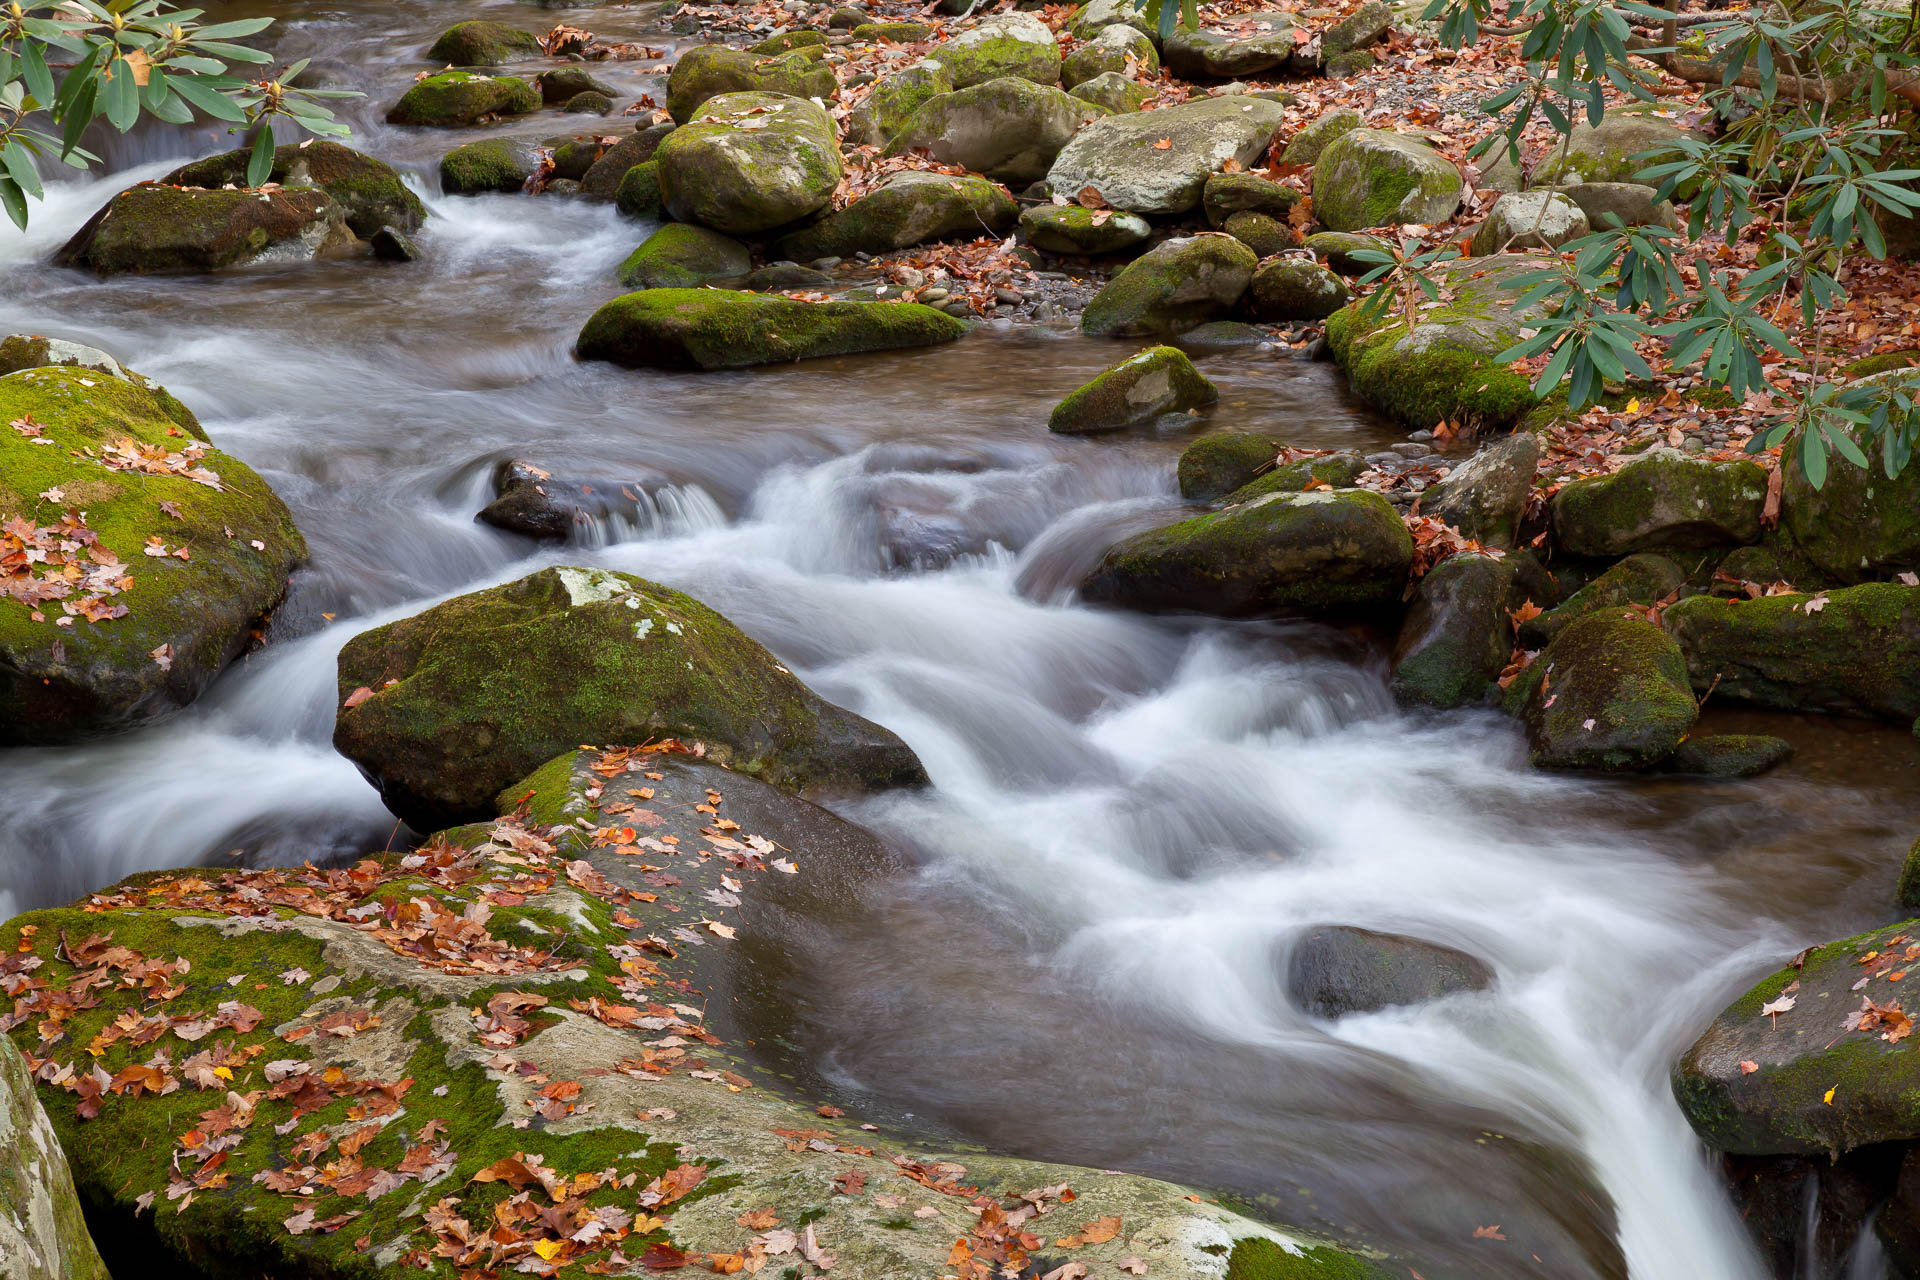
[
  {"x": 1336, "y": 969},
  {"x": 715, "y": 329},
  {"x": 1220, "y": 335},
  {"x": 602, "y": 179},
  {"x": 492, "y": 164},
  {"x": 1159, "y": 380},
  {"x": 572, "y": 157},
  {"x": 1457, "y": 636},
  {"x": 1609, "y": 694},
  {"x": 1173, "y": 287},
  {"x": 1215, "y": 465},
  {"x": 638, "y": 195},
  {"x": 532, "y": 502},
  {"x": 390, "y": 246},
  {"x": 483, "y": 44},
  {"x": 1640, "y": 579},
  {"x": 370, "y": 192},
  {"x": 463, "y": 97},
  {"x": 1728, "y": 755},
  {"x": 1806, "y": 1213},
  {"x": 1898, "y": 1224},
  {"x": 152, "y": 230},
  {"x": 1291, "y": 288},
  {"x": 589, "y": 103},
  {"x": 564, "y": 84},
  {"x": 1909, "y": 891}
]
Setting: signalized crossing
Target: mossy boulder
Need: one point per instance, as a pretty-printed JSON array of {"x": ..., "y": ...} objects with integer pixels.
[
  {"x": 1609, "y": 694},
  {"x": 1338, "y": 249},
  {"x": 1090, "y": 19},
  {"x": 1159, "y": 380},
  {"x": 1264, "y": 235},
  {"x": 638, "y": 195},
  {"x": 492, "y": 164},
  {"x": 1486, "y": 496},
  {"x": 750, "y": 162},
  {"x": 709, "y": 70},
  {"x": 43, "y": 1235},
  {"x": 1112, "y": 92},
  {"x": 1662, "y": 499},
  {"x": 1323, "y": 553},
  {"x": 1357, "y": 30},
  {"x": 1215, "y": 465},
  {"x": 483, "y": 44},
  {"x": 1852, "y": 651},
  {"x": 682, "y": 256},
  {"x": 478, "y": 691},
  {"x": 589, "y": 102},
  {"x": 1118, "y": 156},
  {"x": 1457, "y": 635},
  {"x": 1119, "y": 49},
  {"x": 1809, "y": 1077},
  {"x": 907, "y": 209},
  {"x": 609, "y": 168},
  {"x": 1376, "y": 178},
  {"x": 1335, "y": 970},
  {"x": 788, "y": 41},
  {"x": 1728, "y": 755},
  {"x": 1337, "y": 470},
  {"x": 892, "y": 32},
  {"x": 1305, "y": 146},
  {"x": 893, "y": 99},
  {"x": 463, "y": 97},
  {"x": 1529, "y": 220},
  {"x": 370, "y": 192},
  {"x": 1295, "y": 289},
  {"x": 1072, "y": 229},
  {"x": 715, "y": 329},
  {"x": 563, "y": 84},
  {"x": 128, "y": 630},
  {"x": 158, "y": 230},
  {"x": 1857, "y": 526},
  {"x": 1616, "y": 150},
  {"x": 1226, "y": 194},
  {"x": 1642, "y": 579},
  {"x": 1172, "y": 287},
  {"x": 1004, "y": 44},
  {"x": 1205, "y": 55},
  {"x": 1008, "y": 128}
]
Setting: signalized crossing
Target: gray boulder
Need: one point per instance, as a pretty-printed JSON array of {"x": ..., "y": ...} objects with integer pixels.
[
  {"x": 1306, "y": 145},
  {"x": 708, "y": 70},
  {"x": 1117, "y": 48},
  {"x": 1226, "y": 194},
  {"x": 1613, "y": 150},
  {"x": 1336, "y": 970},
  {"x": 1485, "y": 496},
  {"x": 907, "y": 209},
  {"x": 1113, "y": 92},
  {"x": 1118, "y": 156},
  {"x": 1662, "y": 499},
  {"x": 1174, "y": 286},
  {"x": 1376, "y": 178},
  {"x": 1629, "y": 202},
  {"x": 1005, "y": 44},
  {"x": 1202, "y": 55},
  {"x": 893, "y": 99},
  {"x": 1009, "y": 129},
  {"x": 1069, "y": 228},
  {"x": 1529, "y": 220}
]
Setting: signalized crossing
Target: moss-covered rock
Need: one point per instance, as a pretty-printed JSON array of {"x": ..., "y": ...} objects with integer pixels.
[
  {"x": 1226, "y": 194},
  {"x": 1626, "y": 141},
  {"x": 1090, "y": 19},
  {"x": 1859, "y": 525},
  {"x": 750, "y": 162},
  {"x": 1158, "y": 380},
  {"x": 492, "y": 164},
  {"x": 1325, "y": 553},
  {"x": 1457, "y": 635},
  {"x": 1641, "y": 579},
  {"x": 463, "y": 97},
  {"x": 477, "y": 691},
  {"x": 1375, "y": 178},
  {"x": 121, "y": 490},
  {"x": 1119, "y": 158},
  {"x": 788, "y": 41},
  {"x": 1529, "y": 220},
  {"x": 370, "y": 192},
  {"x": 610, "y": 167},
  {"x": 1174, "y": 286},
  {"x": 1215, "y": 465},
  {"x": 1007, "y": 128},
  {"x": 1853, "y": 651},
  {"x": 1305, "y": 146},
  {"x": 1908, "y": 893},
  {"x": 1338, "y": 249},
  {"x": 1662, "y": 499},
  {"x": 563, "y": 84},
  {"x": 158, "y": 230},
  {"x": 1728, "y": 755},
  {"x": 682, "y": 256},
  {"x": 1358, "y": 29},
  {"x": 483, "y": 44},
  {"x": 43, "y": 1235},
  {"x": 1070, "y": 228},
  {"x": 1119, "y": 49},
  {"x": 892, "y": 32},
  {"x": 590, "y": 102},
  {"x": 1295, "y": 289},
  {"x": 1264, "y": 235},
  {"x": 714, "y": 329},
  {"x": 1335, "y": 970},
  {"x": 1204, "y": 55},
  {"x": 638, "y": 195},
  {"x": 1337, "y": 470},
  {"x": 1004, "y": 44},
  {"x": 1803, "y": 1079},
  {"x": 709, "y": 70},
  {"x": 1112, "y": 92},
  {"x": 1609, "y": 694},
  {"x": 1486, "y": 496},
  {"x": 907, "y": 209},
  {"x": 893, "y": 99}
]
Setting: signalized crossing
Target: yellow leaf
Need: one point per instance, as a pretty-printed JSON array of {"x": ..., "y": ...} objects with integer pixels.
[
  {"x": 548, "y": 1249},
  {"x": 1829, "y": 1098},
  {"x": 1633, "y": 406},
  {"x": 223, "y": 1073}
]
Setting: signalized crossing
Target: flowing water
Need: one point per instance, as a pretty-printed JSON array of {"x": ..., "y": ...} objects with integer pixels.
[{"x": 1131, "y": 816}]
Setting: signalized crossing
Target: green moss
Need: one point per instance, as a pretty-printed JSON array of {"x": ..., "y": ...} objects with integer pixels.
[
  {"x": 1373, "y": 178},
  {"x": 896, "y": 32},
  {"x": 1171, "y": 288},
  {"x": 1884, "y": 362},
  {"x": 909, "y": 209},
  {"x": 706, "y": 71},
  {"x": 788, "y": 41},
  {"x": 1158, "y": 381},
  {"x": 978, "y": 57},
  {"x": 1215, "y": 465},
  {"x": 710, "y": 329},
  {"x": 157, "y": 229},
  {"x": 369, "y": 192},
  {"x": 1609, "y": 694},
  {"x": 894, "y": 98},
  {"x": 492, "y": 164},
  {"x": 462, "y": 97},
  {"x": 740, "y": 180},
  {"x": 1908, "y": 892},
  {"x": 483, "y": 44},
  {"x": 1255, "y": 1258},
  {"x": 682, "y": 256},
  {"x": 1069, "y": 228},
  {"x": 1339, "y": 470},
  {"x": 638, "y": 195},
  {"x": 1444, "y": 382}
]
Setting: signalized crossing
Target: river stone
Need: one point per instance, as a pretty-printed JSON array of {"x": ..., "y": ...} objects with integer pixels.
[
  {"x": 1339, "y": 248},
  {"x": 710, "y": 70},
  {"x": 716, "y": 329},
  {"x": 1264, "y": 235},
  {"x": 564, "y": 84},
  {"x": 370, "y": 192},
  {"x": 638, "y": 195},
  {"x": 1316, "y": 471},
  {"x": 479, "y": 690},
  {"x": 1606, "y": 152},
  {"x": 1005, "y": 44},
  {"x": 1335, "y": 970},
  {"x": 1609, "y": 694},
  {"x": 1009, "y": 129},
  {"x": 1375, "y": 178},
  {"x": 42, "y": 1233},
  {"x": 892, "y": 32},
  {"x": 185, "y": 619},
  {"x": 530, "y": 500},
  {"x": 1226, "y": 194},
  {"x": 1117, "y": 157},
  {"x": 483, "y": 44},
  {"x": 1529, "y": 220},
  {"x": 1202, "y": 55},
  {"x": 1630, "y": 202},
  {"x": 572, "y": 157},
  {"x": 463, "y": 97},
  {"x": 1304, "y": 147},
  {"x": 492, "y": 164},
  {"x": 1113, "y": 92},
  {"x": 1174, "y": 286},
  {"x": 1856, "y": 653},
  {"x": 1457, "y": 635},
  {"x": 1357, "y": 30},
  {"x": 603, "y": 176},
  {"x": 682, "y": 256},
  {"x": 1097, "y": 15},
  {"x": 589, "y": 103},
  {"x": 1662, "y": 499},
  {"x": 1324, "y": 553},
  {"x": 148, "y": 230},
  {"x": 1295, "y": 289},
  {"x": 1818, "y": 1087},
  {"x": 788, "y": 41},
  {"x": 893, "y": 100},
  {"x": 1214, "y": 466},
  {"x": 1069, "y": 228},
  {"x": 1642, "y": 579},
  {"x": 749, "y": 162},
  {"x": 1486, "y": 496},
  {"x": 1119, "y": 49},
  {"x": 1158, "y": 380},
  {"x": 907, "y": 209},
  {"x": 1728, "y": 755},
  {"x": 36, "y": 351},
  {"x": 1859, "y": 524}
]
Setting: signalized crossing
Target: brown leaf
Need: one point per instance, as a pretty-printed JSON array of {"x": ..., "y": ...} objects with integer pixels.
[{"x": 1489, "y": 1233}]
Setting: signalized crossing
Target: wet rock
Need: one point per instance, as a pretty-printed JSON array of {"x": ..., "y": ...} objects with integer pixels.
[
  {"x": 1119, "y": 49},
  {"x": 1326, "y": 470},
  {"x": 370, "y": 192},
  {"x": 463, "y": 97},
  {"x": 1221, "y": 335},
  {"x": 42, "y": 1233},
  {"x": 1226, "y": 194},
  {"x": 532, "y": 501},
  {"x": 1807, "y": 1213},
  {"x": 907, "y": 209},
  {"x": 478, "y": 691},
  {"x": 683, "y": 256},
  {"x": 1295, "y": 289},
  {"x": 1069, "y": 228},
  {"x": 572, "y": 157},
  {"x": 1859, "y": 525},
  {"x": 1629, "y": 202},
  {"x": 710, "y": 70},
  {"x": 389, "y": 245},
  {"x": 1857, "y": 652},
  {"x": 1215, "y": 465},
  {"x": 589, "y": 103},
  {"x": 1641, "y": 579},
  {"x": 1306, "y": 145},
  {"x": 1485, "y": 496},
  {"x": 749, "y": 162},
  {"x": 150, "y": 230},
  {"x": 1157, "y": 381},
  {"x": 603, "y": 176},
  {"x": 715, "y": 329},
  {"x": 1728, "y": 755},
  {"x": 893, "y": 100},
  {"x": 1112, "y": 91},
  {"x": 564, "y": 84},
  {"x": 1118, "y": 158},
  {"x": 482, "y": 44},
  {"x": 638, "y": 195},
  {"x": 492, "y": 164},
  {"x": 1009, "y": 129},
  {"x": 1264, "y": 235},
  {"x": 1335, "y": 970},
  {"x": 1324, "y": 553},
  {"x": 1609, "y": 694},
  {"x": 1457, "y": 635},
  {"x": 1375, "y": 178},
  {"x": 1612, "y": 150},
  {"x": 893, "y": 32},
  {"x": 1529, "y": 220},
  {"x": 148, "y": 632},
  {"x": 1662, "y": 499},
  {"x": 1174, "y": 286},
  {"x": 1005, "y": 44},
  {"x": 1339, "y": 248}
]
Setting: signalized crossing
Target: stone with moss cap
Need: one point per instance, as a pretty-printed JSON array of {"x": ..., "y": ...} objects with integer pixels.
[
  {"x": 709, "y": 70},
  {"x": 36, "y": 351},
  {"x": 1337, "y": 470},
  {"x": 1113, "y": 92},
  {"x": 1295, "y": 289},
  {"x": 1159, "y": 380},
  {"x": 907, "y": 209},
  {"x": 370, "y": 192},
  {"x": 1857, "y": 526},
  {"x": 1305, "y": 146},
  {"x": 789, "y": 41},
  {"x": 1662, "y": 499},
  {"x": 1117, "y": 48},
  {"x": 1626, "y": 141},
  {"x": 1071, "y": 228},
  {"x": 1226, "y": 194},
  {"x": 1215, "y": 465},
  {"x": 43, "y": 1235},
  {"x": 186, "y": 617},
  {"x": 1323, "y": 553},
  {"x": 682, "y": 256},
  {"x": 1120, "y": 157},
  {"x": 1375, "y": 178},
  {"x": 1095, "y": 16},
  {"x": 463, "y": 97},
  {"x": 1172, "y": 287},
  {"x": 638, "y": 195},
  {"x": 157, "y": 230},
  {"x": 492, "y": 164},
  {"x": 1007, "y": 128},
  {"x": 1609, "y": 694},
  {"x": 750, "y": 162},
  {"x": 1642, "y": 579},
  {"x": 1003, "y": 44},
  {"x": 483, "y": 44},
  {"x": 1457, "y": 635},
  {"x": 893, "y": 99},
  {"x": 714, "y": 329}
]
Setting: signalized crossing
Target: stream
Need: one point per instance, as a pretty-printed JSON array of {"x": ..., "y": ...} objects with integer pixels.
[{"x": 1131, "y": 816}]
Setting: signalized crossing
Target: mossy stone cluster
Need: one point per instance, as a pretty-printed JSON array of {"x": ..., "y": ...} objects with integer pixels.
[
  {"x": 157, "y": 230},
  {"x": 1158, "y": 381},
  {"x": 463, "y": 97},
  {"x": 1457, "y": 634},
  {"x": 749, "y": 162},
  {"x": 1663, "y": 499},
  {"x": 907, "y": 209},
  {"x": 1375, "y": 178},
  {"x": 1083, "y": 232},
  {"x": 682, "y": 256},
  {"x": 1610, "y": 694},
  {"x": 1728, "y": 755},
  {"x": 370, "y": 192},
  {"x": 490, "y": 165},
  {"x": 710, "y": 70},
  {"x": 1171, "y": 288},
  {"x": 716, "y": 329},
  {"x": 483, "y": 44}
]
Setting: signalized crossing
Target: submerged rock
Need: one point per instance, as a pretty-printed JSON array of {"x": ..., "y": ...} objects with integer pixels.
[
  {"x": 564, "y": 84},
  {"x": 1728, "y": 755},
  {"x": 682, "y": 256},
  {"x": 370, "y": 192},
  {"x": 709, "y": 70},
  {"x": 1486, "y": 496},
  {"x": 1117, "y": 156},
  {"x": 1610, "y": 694},
  {"x": 713, "y": 329},
  {"x": 1662, "y": 499},
  {"x": 1008, "y": 128},
  {"x": 1375, "y": 178},
  {"x": 42, "y": 1233},
  {"x": 156, "y": 230},
  {"x": 463, "y": 97},
  {"x": 1457, "y": 635},
  {"x": 492, "y": 164},
  {"x": 907, "y": 209},
  {"x": 1335, "y": 970},
  {"x": 1172, "y": 287},
  {"x": 1157, "y": 381},
  {"x": 750, "y": 162}
]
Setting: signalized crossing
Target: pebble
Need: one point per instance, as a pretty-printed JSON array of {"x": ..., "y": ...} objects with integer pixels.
[
  {"x": 1412, "y": 449},
  {"x": 957, "y": 308},
  {"x": 1424, "y": 437},
  {"x": 931, "y": 296},
  {"x": 825, "y": 264},
  {"x": 1009, "y": 297}
]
